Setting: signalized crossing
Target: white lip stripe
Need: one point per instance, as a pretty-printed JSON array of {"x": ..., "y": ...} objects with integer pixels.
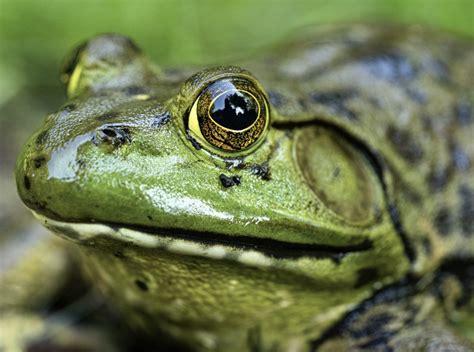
[{"x": 87, "y": 231}]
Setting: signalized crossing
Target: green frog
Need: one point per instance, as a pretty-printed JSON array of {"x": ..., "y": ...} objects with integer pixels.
[{"x": 319, "y": 197}]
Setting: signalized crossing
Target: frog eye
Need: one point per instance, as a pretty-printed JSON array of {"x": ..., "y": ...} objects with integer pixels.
[
  {"x": 106, "y": 60},
  {"x": 229, "y": 115},
  {"x": 71, "y": 69}
]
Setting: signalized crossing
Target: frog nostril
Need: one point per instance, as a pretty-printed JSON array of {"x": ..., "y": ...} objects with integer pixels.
[
  {"x": 142, "y": 285},
  {"x": 39, "y": 161},
  {"x": 26, "y": 182},
  {"x": 109, "y": 132},
  {"x": 115, "y": 135}
]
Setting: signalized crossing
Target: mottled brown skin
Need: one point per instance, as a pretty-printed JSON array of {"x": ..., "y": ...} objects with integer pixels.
[
  {"x": 411, "y": 316},
  {"x": 408, "y": 95}
]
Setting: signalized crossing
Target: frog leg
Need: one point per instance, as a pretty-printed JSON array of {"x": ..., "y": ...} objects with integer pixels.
[{"x": 400, "y": 318}]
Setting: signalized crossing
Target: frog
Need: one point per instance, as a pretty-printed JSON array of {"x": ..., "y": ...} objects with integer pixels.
[{"x": 318, "y": 197}]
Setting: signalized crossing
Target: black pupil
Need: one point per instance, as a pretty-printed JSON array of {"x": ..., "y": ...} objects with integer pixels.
[{"x": 235, "y": 110}]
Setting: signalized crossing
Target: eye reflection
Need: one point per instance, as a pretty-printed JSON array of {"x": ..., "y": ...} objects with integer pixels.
[{"x": 235, "y": 110}]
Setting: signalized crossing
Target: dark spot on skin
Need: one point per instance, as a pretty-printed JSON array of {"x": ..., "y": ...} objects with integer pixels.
[
  {"x": 229, "y": 181},
  {"x": 234, "y": 164},
  {"x": 262, "y": 171},
  {"x": 378, "y": 214},
  {"x": 70, "y": 232},
  {"x": 405, "y": 144},
  {"x": 381, "y": 341},
  {"x": 391, "y": 67},
  {"x": 194, "y": 143},
  {"x": 38, "y": 205},
  {"x": 134, "y": 90},
  {"x": 114, "y": 135},
  {"x": 41, "y": 138},
  {"x": 276, "y": 99},
  {"x": 81, "y": 163},
  {"x": 26, "y": 182},
  {"x": 107, "y": 116},
  {"x": 336, "y": 101},
  {"x": 119, "y": 255},
  {"x": 437, "y": 179},
  {"x": 149, "y": 217},
  {"x": 65, "y": 230},
  {"x": 374, "y": 325},
  {"x": 371, "y": 329},
  {"x": 466, "y": 213},
  {"x": 395, "y": 216},
  {"x": 460, "y": 159},
  {"x": 443, "y": 221},
  {"x": 70, "y": 107},
  {"x": 463, "y": 112},
  {"x": 413, "y": 196},
  {"x": 462, "y": 270},
  {"x": 37, "y": 162},
  {"x": 336, "y": 172},
  {"x": 365, "y": 276},
  {"x": 161, "y": 119},
  {"x": 115, "y": 228},
  {"x": 142, "y": 285},
  {"x": 337, "y": 258}
]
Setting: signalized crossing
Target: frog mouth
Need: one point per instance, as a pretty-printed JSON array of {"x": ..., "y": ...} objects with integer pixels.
[{"x": 199, "y": 243}]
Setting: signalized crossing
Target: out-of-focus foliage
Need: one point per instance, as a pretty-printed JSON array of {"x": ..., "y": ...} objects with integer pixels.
[{"x": 34, "y": 35}]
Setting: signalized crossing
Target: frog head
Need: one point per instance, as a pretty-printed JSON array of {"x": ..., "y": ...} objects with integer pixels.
[{"x": 194, "y": 188}]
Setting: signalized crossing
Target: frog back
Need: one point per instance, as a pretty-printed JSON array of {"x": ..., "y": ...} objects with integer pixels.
[{"x": 406, "y": 94}]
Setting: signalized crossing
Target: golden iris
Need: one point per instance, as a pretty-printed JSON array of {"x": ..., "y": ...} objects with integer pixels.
[{"x": 230, "y": 115}]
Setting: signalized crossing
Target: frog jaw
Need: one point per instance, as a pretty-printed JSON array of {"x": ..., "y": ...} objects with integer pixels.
[{"x": 207, "y": 245}]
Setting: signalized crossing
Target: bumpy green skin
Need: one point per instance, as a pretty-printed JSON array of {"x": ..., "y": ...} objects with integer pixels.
[{"x": 364, "y": 178}]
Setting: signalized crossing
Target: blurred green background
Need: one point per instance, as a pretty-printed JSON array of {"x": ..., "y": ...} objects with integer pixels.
[{"x": 35, "y": 35}]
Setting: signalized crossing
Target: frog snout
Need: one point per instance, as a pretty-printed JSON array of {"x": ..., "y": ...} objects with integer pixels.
[
  {"x": 31, "y": 177},
  {"x": 47, "y": 171}
]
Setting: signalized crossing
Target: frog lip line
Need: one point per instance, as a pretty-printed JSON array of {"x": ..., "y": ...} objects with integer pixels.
[{"x": 203, "y": 243}]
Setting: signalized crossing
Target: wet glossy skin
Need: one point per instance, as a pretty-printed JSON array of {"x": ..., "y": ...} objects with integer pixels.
[{"x": 362, "y": 177}]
